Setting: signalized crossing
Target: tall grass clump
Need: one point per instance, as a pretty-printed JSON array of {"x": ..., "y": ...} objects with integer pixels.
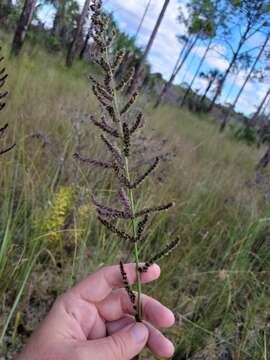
[{"x": 118, "y": 125}]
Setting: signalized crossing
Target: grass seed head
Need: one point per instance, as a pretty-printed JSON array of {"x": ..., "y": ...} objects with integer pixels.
[{"x": 117, "y": 136}]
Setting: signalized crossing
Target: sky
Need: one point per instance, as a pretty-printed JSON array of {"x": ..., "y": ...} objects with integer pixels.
[{"x": 166, "y": 48}]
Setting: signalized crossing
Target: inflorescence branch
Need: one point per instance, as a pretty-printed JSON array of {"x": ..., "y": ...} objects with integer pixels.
[{"x": 3, "y": 96}]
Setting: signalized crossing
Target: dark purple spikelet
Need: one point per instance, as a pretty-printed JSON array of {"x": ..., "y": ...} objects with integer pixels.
[
  {"x": 110, "y": 212},
  {"x": 113, "y": 229},
  {"x": 126, "y": 81},
  {"x": 2, "y": 152},
  {"x": 141, "y": 227},
  {"x": 103, "y": 101},
  {"x": 105, "y": 66},
  {"x": 124, "y": 200},
  {"x": 113, "y": 150},
  {"x": 127, "y": 286},
  {"x": 2, "y": 105},
  {"x": 3, "y": 96},
  {"x": 122, "y": 178},
  {"x": 110, "y": 38},
  {"x": 146, "y": 174},
  {"x": 165, "y": 252},
  {"x": 107, "y": 82},
  {"x": 3, "y": 130},
  {"x": 118, "y": 59},
  {"x": 93, "y": 80},
  {"x": 126, "y": 139},
  {"x": 3, "y": 78},
  {"x": 99, "y": 41},
  {"x": 137, "y": 124},
  {"x": 105, "y": 127},
  {"x": 103, "y": 92},
  {"x": 154, "y": 209},
  {"x": 130, "y": 102},
  {"x": 110, "y": 110},
  {"x": 102, "y": 164}
]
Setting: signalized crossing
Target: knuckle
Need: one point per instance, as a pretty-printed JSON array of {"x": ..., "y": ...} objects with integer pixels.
[
  {"x": 65, "y": 303},
  {"x": 118, "y": 348}
]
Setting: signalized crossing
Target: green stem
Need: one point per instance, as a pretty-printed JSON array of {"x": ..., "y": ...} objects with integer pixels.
[
  {"x": 136, "y": 252},
  {"x": 131, "y": 199}
]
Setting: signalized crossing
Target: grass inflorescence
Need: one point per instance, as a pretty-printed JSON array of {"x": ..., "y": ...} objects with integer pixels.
[{"x": 117, "y": 134}]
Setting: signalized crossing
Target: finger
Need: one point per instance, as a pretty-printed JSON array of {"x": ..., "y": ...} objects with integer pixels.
[
  {"x": 117, "y": 325},
  {"x": 118, "y": 304},
  {"x": 99, "y": 285},
  {"x": 122, "y": 345},
  {"x": 157, "y": 342}
]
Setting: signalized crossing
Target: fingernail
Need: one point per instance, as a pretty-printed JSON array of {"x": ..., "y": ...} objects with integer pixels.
[
  {"x": 170, "y": 348},
  {"x": 139, "y": 333}
]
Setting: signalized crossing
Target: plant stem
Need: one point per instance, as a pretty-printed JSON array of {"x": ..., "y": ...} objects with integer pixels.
[
  {"x": 136, "y": 252},
  {"x": 130, "y": 195}
]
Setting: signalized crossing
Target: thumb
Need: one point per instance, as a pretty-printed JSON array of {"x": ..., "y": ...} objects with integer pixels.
[{"x": 123, "y": 345}]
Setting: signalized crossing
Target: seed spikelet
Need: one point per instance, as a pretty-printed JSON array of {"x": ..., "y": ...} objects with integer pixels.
[
  {"x": 129, "y": 103},
  {"x": 165, "y": 252},
  {"x": 127, "y": 286}
]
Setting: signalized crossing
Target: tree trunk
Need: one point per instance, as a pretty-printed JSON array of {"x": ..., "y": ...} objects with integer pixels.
[
  {"x": 265, "y": 108},
  {"x": 223, "y": 81},
  {"x": 231, "y": 88},
  {"x": 142, "y": 20},
  {"x": 58, "y": 22},
  {"x": 22, "y": 26},
  {"x": 260, "y": 107},
  {"x": 180, "y": 57},
  {"x": 85, "y": 44},
  {"x": 227, "y": 72},
  {"x": 228, "y": 115},
  {"x": 209, "y": 86},
  {"x": 264, "y": 160},
  {"x": 6, "y": 9},
  {"x": 140, "y": 66},
  {"x": 73, "y": 49},
  {"x": 174, "y": 74},
  {"x": 196, "y": 73}
]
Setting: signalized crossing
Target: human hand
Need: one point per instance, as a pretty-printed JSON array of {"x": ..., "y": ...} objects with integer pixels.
[{"x": 95, "y": 320}]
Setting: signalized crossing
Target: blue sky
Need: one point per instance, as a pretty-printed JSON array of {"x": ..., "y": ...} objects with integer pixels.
[{"x": 166, "y": 48}]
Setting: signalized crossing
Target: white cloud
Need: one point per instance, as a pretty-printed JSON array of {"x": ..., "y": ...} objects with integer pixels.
[
  {"x": 252, "y": 97},
  {"x": 166, "y": 48},
  {"x": 215, "y": 57}
]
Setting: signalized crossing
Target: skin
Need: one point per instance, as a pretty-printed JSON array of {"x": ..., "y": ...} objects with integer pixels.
[{"x": 95, "y": 320}]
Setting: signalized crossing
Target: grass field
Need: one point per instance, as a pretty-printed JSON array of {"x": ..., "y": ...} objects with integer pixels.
[{"x": 217, "y": 282}]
